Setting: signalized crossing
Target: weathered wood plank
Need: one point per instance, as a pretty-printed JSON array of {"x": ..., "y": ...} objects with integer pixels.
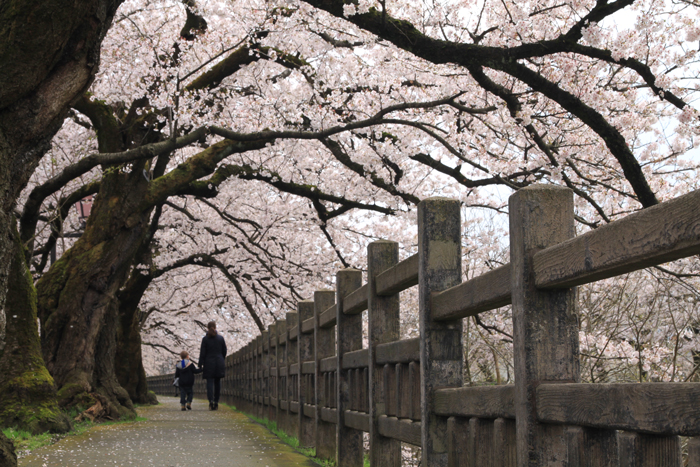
[
  {"x": 403, "y": 430},
  {"x": 310, "y": 411},
  {"x": 654, "y": 408},
  {"x": 403, "y": 351},
  {"x": 349, "y": 331},
  {"x": 329, "y": 415},
  {"x": 294, "y": 407},
  {"x": 308, "y": 368},
  {"x": 284, "y": 405},
  {"x": 324, "y": 347},
  {"x": 486, "y": 292},
  {"x": 479, "y": 401},
  {"x": 356, "y": 302},
  {"x": 504, "y": 443},
  {"x": 357, "y": 420},
  {"x": 356, "y": 359},
  {"x": 294, "y": 333},
  {"x": 398, "y": 278},
  {"x": 656, "y": 235},
  {"x": 305, "y": 352},
  {"x": 329, "y": 364},
  {"x": 294, "y": 369},
  {"x": 641, "y": 450},
  {"x": 383, "y": 320},
  {"x": 589, "y": 447},
  {"x": 694, "y": 452},
  {"x": 307, "y": 326},
  {"x": 545, "y": 323},
  {"x": 327, "y": 318}
]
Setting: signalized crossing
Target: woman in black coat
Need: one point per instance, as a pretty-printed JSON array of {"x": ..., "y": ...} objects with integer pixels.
[{"x": 211, "y": 356}]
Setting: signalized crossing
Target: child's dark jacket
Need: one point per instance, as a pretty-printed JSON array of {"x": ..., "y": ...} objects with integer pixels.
[{"x": 186, "y": 372}]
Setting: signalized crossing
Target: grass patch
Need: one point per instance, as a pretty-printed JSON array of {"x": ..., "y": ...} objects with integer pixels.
[
  {"x": 26, "y": 442},
  {"x": 291, "y": 441}
]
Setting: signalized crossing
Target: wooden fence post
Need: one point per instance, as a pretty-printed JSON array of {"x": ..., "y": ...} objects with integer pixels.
[
  {"x": 350, "y": 449},
  {"x": 439, "y": 267},
  {"x": 383, "y": 327},
  {"x": 292, "y": 378},
  {"x": 281, "y": 379},
  {"x": 324, "y": 347},
  {"x": 259, "y": 388},
  {"x": 545, "y": 323},
  {"x": 270, "y": 363},
  {"x": 307, "y": 425}
]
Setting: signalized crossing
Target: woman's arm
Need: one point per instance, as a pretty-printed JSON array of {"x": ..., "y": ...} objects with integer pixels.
[{"x": 202, "y": 354}]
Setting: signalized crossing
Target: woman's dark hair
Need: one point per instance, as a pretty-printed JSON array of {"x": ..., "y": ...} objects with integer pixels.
[{"x": 211, "y": 326}]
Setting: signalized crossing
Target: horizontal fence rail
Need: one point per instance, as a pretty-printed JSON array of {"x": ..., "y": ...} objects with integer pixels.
[{"x": 311, "y": 375}]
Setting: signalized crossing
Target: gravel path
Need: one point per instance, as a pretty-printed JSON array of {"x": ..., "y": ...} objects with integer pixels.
[{"x": 171, "y": 438}]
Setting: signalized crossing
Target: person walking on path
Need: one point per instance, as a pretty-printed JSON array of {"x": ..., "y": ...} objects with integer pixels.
[
  {"x": 211, "y": 356},
  {"x": 185, "y": 371}
]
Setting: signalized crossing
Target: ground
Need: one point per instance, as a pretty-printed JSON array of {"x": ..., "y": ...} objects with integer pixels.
[{"x": 171, "y": 438}]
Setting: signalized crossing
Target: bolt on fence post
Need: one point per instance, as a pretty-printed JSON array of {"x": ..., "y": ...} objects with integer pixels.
[
  {"x": 324, "y": 347},
  {"x": 439, "y": 268},
  {"x": 350, "y": 449},
  {"x": 383, "y": 327},
  {"x": 545, "y": 323}
]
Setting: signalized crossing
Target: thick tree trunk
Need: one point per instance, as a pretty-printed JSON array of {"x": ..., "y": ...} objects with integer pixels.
[
  {"x": 49, "y": 53},
  {"x": 129, "y": 363},
  {"x": 29, "y": 396},
  {"x": 8, "y": 458},
  {"x": 77, "y": 297}
]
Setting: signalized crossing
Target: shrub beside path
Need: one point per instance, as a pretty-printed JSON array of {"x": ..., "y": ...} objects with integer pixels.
[{"x": 172, "y": 438}]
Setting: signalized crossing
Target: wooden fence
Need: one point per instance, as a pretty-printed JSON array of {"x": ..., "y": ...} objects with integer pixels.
[{"x": 310, "y": 374}]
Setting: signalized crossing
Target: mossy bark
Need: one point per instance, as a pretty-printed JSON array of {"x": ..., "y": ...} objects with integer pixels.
[
  {"x": 8, "y": 458},
  {"x": 77, "y": 297},
  {"x": 49, "y": 53},
  {"x": 129, "y": 363},
  {"x": 28, "y": 393}
]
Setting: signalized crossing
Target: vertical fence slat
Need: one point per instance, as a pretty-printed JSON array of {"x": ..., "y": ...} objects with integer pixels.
[
  {"x": 640, "y": 450},
  {"x": 694, "y": 452},
  {"x": 439, "y": 267},
  {"x": 383, "y": 326},
  {"x": 545, "y": 323},
  {"x": 591, "y": 448},
  {"x": 504, "y": 443},
  {"x": 350, "y": 450}
]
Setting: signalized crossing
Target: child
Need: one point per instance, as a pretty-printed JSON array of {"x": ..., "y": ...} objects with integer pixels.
[{"x": 185, "y": 370}]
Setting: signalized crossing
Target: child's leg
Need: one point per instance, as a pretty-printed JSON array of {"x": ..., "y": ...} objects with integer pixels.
[
  {"x": 183, "y": 395},
  {"x": 190, "y": 395}
]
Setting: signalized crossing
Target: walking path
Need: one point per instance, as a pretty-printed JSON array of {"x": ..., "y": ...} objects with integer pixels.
[{"x": 171, "y": 438}]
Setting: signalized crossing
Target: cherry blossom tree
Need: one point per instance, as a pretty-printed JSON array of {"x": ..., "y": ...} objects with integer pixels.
[
  {"x": 49, "y": 55},
  {"x": 240, "y": 159}
]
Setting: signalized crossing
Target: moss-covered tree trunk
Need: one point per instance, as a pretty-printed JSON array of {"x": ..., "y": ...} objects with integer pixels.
[
  {"x": 8, "y": 458},
  {"x": 28, "y": 393},
  {"x": 77, "y": 296},
  {"x": 129, "y": 362},
  {"x": 49, "y": 53}
]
